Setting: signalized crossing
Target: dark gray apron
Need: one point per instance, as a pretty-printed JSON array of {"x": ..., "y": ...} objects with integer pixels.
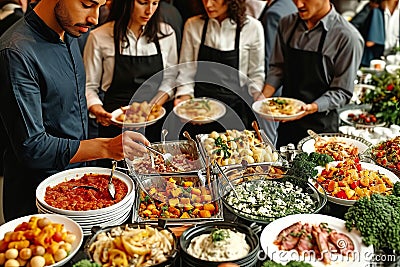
[
  {"x": 130, "y": 73},
  {"x": 304, "y": 79},
  {"x": 222, "y": 84}
]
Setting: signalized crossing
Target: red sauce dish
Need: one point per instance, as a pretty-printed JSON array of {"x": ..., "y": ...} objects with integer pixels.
[{"x": 68, "y": 196}]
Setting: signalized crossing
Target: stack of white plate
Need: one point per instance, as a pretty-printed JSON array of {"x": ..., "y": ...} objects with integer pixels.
[{"x": 112, "y": 215}]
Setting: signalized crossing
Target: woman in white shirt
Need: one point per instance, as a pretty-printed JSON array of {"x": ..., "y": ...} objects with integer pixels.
[
  {"x": 121, "y": 55},
  {"x": 226, "y": 36},
  {"x": 392, "y": 24}
]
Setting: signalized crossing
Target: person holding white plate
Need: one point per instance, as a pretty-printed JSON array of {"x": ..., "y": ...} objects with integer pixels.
[
  {"x": 316, "y": 57},
  {"x": 223, "y": 52},
  {"x": 122, "y": 55}
]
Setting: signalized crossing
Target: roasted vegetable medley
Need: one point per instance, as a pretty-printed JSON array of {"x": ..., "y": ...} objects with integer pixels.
[{"x": 177, "y": 198}]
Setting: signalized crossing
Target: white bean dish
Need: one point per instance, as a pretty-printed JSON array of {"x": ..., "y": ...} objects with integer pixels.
[{"x": 219, "y": 245}]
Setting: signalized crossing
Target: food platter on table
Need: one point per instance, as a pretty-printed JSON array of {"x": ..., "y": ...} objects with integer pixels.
[
  {"x": 278, "y": 108},
  {"x": 386, "y": 153},
  {"x": 371, "y": 183},
  {"x": 200, "y": 110},
  {"x": 122, "y": 115},
  {"x": 307, "y": 144},
  {"x": 114, "y": 214},
  {"x": 68, "y": 225},
  {"x": 360, "y": 118},
  {"x": 359, "y": 256},
  {"x": 234, "y": 146},
  {"x": 262, "y": 198},
  {"x": 392, "y": 69}
]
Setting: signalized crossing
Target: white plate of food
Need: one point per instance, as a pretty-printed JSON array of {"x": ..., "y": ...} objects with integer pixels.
[
  {"x": 279, "y": 108},
  {"x": 392, "y": 69},
  {"x": 138, "y": 114},
  {"x": 360, "y": 118},
  {"x": 73, "y": 230},
  {"x": 347, "y": 181},
  {"x": 275, "y": 239},
  {"x": 200, "y": 110},
  {"x": 337, "y": 145}
]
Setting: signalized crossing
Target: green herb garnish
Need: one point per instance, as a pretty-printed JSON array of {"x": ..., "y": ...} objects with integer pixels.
[{"x": 219, "y": 235}]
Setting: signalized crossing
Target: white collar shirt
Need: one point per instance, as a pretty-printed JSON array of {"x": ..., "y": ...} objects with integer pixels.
[
  {"x": 99, "y": 58},
  {"x": 222, "y": 37},
  {"x": 392, "y": 30}
]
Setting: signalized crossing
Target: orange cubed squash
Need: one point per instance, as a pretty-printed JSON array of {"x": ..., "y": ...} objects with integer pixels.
[
  {"x": 205, "y": 214},
  {"x": 188, "y": 184},
  {"x": 210, "y": 207}
]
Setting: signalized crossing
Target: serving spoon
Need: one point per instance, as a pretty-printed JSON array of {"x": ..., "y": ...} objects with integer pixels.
[{"x": 110, "y": 186}]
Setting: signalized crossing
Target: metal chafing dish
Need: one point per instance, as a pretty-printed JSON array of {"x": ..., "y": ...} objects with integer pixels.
[
  {"x": 185, "y": 200},
  {"x": 187, "y": 159},
  {"x": 265, "y": 144}
]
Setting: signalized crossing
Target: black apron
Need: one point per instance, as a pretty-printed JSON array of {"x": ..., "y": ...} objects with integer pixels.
[
  {"x": 304, "y": 79},
  {"x": 222, "y": 83},
  {"x": 130, "y": 74}
]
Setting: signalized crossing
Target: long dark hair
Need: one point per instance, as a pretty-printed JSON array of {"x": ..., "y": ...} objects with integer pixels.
[
  {"x": 236, "y": 11},
  {"x": 121, "y": 11}
]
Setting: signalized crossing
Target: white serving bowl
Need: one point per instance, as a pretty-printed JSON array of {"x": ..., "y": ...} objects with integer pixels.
[
  {"x": 69, "y": 225},
  {"x": 76, "y": 174}
]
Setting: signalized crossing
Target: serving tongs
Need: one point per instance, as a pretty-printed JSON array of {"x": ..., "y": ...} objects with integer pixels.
[{"x": 219, "y": 169}]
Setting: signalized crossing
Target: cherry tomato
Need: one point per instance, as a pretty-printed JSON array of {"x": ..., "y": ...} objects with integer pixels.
[
  {"x": 354, "y": 184},
  {"x": 341, "y": 194},
  {"x": 331, "y": 186},
  {"x": 58, "y": 237},
  {"x": 358, "y": 166}
]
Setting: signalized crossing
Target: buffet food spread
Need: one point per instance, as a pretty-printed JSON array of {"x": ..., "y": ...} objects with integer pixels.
[{"x": 239, "y": 171}]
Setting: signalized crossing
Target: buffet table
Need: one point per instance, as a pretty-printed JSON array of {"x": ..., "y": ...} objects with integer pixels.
[{"x": 331, "y": 209}]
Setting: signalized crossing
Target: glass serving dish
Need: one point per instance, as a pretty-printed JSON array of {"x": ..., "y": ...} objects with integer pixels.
[
  {"x": 178, "y": 200},
  {"x": 186, "y": 158},
  {"x": 260, "y": 198},
  {"x": 233, "y": 146}
]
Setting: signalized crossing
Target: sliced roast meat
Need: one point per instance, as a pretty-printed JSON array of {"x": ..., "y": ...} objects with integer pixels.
[
  {"x": 321, "y": 238},
  {"x": 294, "y": 228},
  {"x": 342, "y": 242}
]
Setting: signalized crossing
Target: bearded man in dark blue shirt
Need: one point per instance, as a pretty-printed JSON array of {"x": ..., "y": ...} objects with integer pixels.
[{"x": 42, "y": 101}]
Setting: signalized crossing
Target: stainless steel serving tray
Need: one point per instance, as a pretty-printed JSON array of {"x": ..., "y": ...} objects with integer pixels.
[
  {"x": 152, "y": 180},
  {"x": 177, "y": 147},
  {"x": 202, "y": 137},
  {"x": 270, "y": 169}
]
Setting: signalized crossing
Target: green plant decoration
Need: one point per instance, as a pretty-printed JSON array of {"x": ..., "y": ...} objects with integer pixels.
[{"x": 385, "y": 98}]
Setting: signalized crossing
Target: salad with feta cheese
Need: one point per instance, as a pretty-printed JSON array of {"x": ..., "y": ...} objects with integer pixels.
[{"x": 271, "y": 198}]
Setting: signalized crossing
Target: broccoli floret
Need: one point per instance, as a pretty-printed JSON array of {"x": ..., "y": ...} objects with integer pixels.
[
  {"x": 320, "y": 159},
  {"x": 396, "y": 189},
  {"x": 378, "y": 220},
  {"x": 303, "y": 165}
]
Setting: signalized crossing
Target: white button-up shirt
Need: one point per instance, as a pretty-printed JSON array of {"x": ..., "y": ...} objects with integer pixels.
[
  {"x": 99, "y": 58},
  {"x": 222, "y": 37}
]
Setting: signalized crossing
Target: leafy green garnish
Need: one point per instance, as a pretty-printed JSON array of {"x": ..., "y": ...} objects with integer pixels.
[{"x": 219, "y": 235}]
